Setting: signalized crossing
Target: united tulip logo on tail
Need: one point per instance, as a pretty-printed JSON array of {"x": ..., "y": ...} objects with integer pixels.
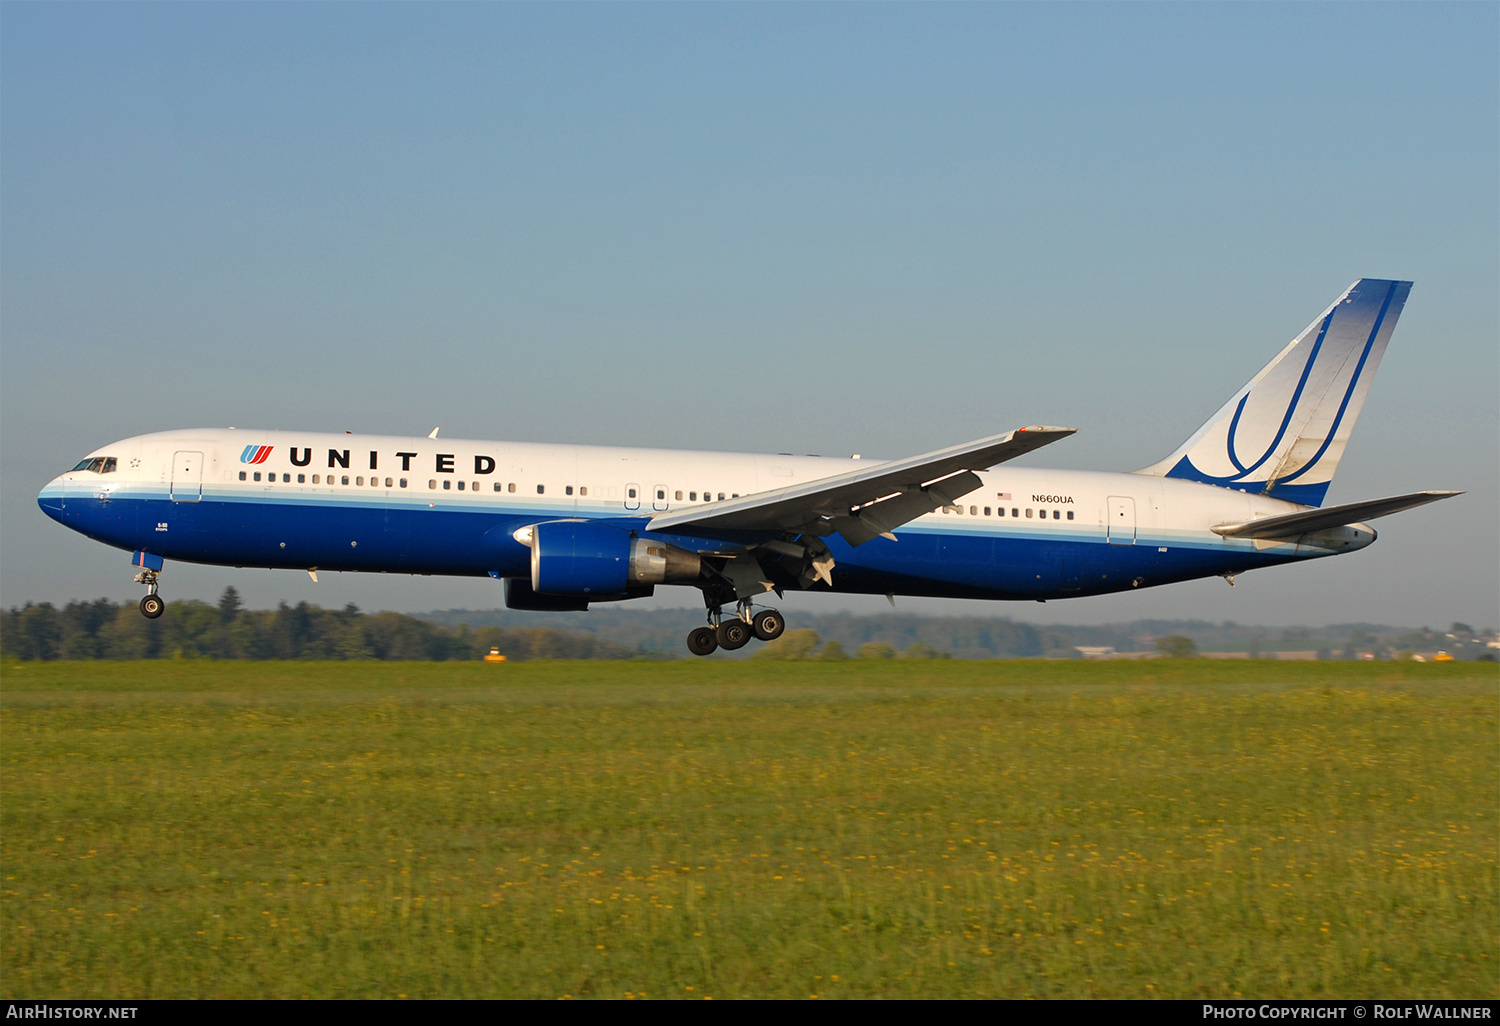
[{"x": 255, "y": 453}]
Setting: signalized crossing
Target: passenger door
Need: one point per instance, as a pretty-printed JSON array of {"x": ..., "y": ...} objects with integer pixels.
[{"x": 187, "y": 476}]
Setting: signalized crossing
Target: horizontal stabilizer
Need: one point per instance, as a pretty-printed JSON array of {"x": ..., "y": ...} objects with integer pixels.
[
  {"x": 1292, "y": 525},
  {"x": 828, "y": 503}
]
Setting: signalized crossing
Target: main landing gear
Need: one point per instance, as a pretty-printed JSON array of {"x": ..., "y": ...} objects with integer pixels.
[
  {"x": 736, "y": 632},
  {"x": 153, "y": 605}
]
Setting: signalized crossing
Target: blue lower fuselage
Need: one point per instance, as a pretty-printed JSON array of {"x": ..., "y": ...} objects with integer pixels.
[{"x": 969, "y": 560}]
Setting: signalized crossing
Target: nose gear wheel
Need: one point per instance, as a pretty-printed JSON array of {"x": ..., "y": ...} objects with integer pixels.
[{"x": 153, "y": 605}]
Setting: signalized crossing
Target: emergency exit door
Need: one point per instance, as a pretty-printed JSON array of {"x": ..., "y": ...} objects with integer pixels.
[
  {"x": 1119, "y": 529},
  {"x": 187, "y": 476}
]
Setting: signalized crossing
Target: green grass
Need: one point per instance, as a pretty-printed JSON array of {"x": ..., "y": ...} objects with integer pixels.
[{"x": 719, "y": 829}]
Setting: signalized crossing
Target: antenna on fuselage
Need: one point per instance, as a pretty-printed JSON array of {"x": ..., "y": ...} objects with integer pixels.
[{"x": 434, "y": 433}]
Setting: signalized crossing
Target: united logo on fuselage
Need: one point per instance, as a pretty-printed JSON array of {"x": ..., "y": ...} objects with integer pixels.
[{"x": 255, "y": 453}]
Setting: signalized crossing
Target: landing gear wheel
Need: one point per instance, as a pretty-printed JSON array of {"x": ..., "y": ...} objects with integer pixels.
[
  {"x": 702, "y": 641},
  {"x": 733, "y": 634},
  {"x": 768, "y": 625},
  {"x": 152, "y": 606}
]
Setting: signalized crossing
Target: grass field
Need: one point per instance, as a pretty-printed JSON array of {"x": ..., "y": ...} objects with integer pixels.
[{"x": 718, "y": 829}]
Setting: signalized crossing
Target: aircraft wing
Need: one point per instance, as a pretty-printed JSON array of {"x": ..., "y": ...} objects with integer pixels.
[
  {"x": 1291, "y": 525},
  {"x": 865, "y": 503}
]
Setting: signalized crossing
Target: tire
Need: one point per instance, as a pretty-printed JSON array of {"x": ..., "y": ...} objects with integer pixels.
[
  {"x": 702, "y": 641},
  {"x": 733, "y": 634},
  {"x": 768, "y": 625},
  {"x": 152, "y": 606}
]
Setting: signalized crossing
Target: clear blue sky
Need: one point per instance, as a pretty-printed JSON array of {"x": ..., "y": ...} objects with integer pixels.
[{"x": 812, "y": 228}]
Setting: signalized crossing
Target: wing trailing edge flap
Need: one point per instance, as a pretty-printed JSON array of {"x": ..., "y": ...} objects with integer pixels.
[
  {"x": 880, "y": 518},
  {"x": 1291, "y": 525},
  {"x": 866, "y": 503}
]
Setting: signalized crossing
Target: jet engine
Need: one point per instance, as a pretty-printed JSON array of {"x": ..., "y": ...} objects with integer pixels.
[{"x": 595, "y": 561}]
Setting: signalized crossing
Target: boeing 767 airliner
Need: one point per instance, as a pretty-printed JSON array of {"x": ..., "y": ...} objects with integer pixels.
[{"x": 568, "y": 525}]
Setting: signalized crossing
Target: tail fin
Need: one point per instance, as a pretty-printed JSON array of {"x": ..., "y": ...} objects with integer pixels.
[{"x": 1283, "y": 434}]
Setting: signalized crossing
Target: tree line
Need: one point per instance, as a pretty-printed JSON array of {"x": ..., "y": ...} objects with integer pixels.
[{"x": 192, "y": 629}]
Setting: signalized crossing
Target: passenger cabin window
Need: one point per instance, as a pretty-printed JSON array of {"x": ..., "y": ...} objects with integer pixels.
[
  {"x": 511, "y": 487},
  {"x": 315, "y": 478},
  {"x": 257, "y": 475},
  {"x": 679, "y": 496},
  {"x": 474, "y": 487},
  {"x": 661, "y": 493},
  {"x": 360, "y": 481},
  {"x": 541, "y": 489},
  {"x": 567, "y": 489},
  {"x": 460, "y": 485},
  {"x": 630, "y": 492},
  {"x": 583, "y": 490},
  {"x": 344, "y": 479},
  {"x": 986, "y": 511},
  {"x": 447, "y": 484},
  {"x": 1028, "y": 514},
  {"x": 1015, "y": 512},
  {"x": 403, "y": 482},
  {"x": 302, "y": 479},
  {"x": 242, "y": 475},
  {"x": 1056, "y": 515},
  {"x": 431, "y": 483},
  {"x": 721, "y": 496},
  {"x": 692, "y": 496}
]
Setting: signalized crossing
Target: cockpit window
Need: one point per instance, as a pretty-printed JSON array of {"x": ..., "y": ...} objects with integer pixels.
[{"x": 99, "y": 464}]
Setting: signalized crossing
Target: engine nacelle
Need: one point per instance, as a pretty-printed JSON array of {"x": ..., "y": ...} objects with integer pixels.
[
  {"x": 597, "y": 561},
  {"x": 518, "y": 595}
]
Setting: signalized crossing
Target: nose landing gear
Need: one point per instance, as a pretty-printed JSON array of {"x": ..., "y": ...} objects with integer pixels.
[{"x": 153, "y": 605}]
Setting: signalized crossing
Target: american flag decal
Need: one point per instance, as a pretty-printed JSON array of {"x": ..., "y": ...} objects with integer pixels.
[{"x": 1003, "y": 496}]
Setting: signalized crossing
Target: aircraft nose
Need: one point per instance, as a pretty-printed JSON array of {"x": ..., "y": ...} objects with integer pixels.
[{"x": 50, "y": 498}]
